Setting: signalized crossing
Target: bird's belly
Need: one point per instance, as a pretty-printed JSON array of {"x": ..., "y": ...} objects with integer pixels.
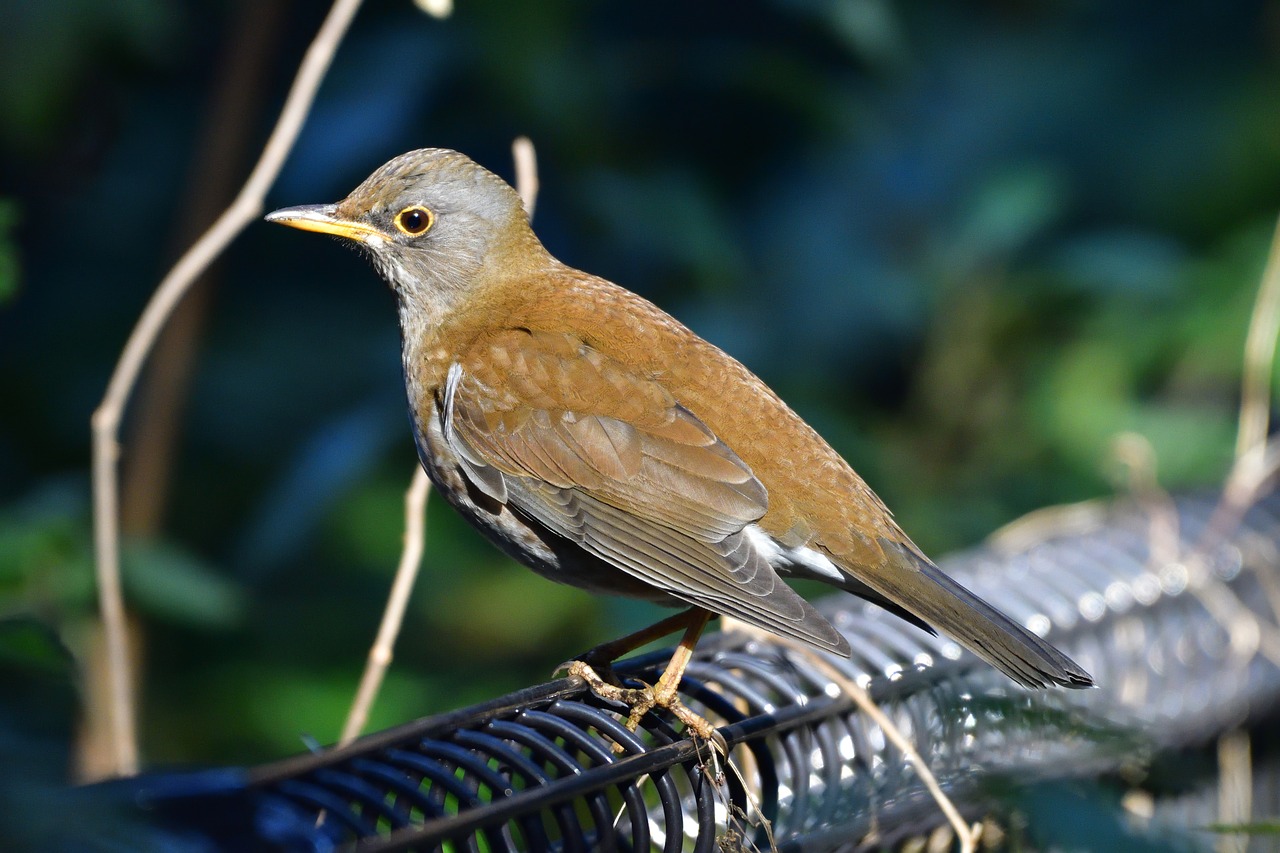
[{"x": 518, "y": 536}]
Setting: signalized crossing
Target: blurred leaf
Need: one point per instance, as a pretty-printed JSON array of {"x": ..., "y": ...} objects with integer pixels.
[
  {"x": 1261, "y": 827},
  {"x": 39, "y": 703},
  {"x": 45, "y": 48},
  {"x": 9, "y": 266},
  {"x": 291, "y": 706},
  {"x": 171, "y": 583},
  {"x": 1119, "y": 264},
  {"x": 45, "y": 553},
  {"x": 515, "y": 609},
  {"x": 1008, "y": 210},
  {"x": 367, "y": 525},
  {"x": 32, "y": 646}
]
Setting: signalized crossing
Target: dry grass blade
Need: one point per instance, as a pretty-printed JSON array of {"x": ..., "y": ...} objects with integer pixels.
[
  {"x": 1235, "y": 789},
  {"x": 106, "y": 419},
  {"x": 968, "y": 836},
  {"x": 1259, "y": 357},
  {"x": 1256, "y": 462}
]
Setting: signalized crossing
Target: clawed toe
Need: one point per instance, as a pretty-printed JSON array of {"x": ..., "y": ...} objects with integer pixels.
[
  {"x": 642, "y": 700},
  {"x": 605, "y": 684},
  {"x": 595, "y": 668}
]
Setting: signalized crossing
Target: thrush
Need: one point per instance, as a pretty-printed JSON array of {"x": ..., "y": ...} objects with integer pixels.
[{"x": 603, "y": 444}]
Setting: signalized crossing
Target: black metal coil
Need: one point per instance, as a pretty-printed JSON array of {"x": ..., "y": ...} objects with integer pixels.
[{"x": 1182, "y": 646}]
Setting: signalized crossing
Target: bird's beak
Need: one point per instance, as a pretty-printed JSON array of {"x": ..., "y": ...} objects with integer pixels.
[{"x": 323, "y": 218}]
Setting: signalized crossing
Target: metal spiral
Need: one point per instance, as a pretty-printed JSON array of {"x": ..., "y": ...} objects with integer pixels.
[{"x": 1176, "y": 622}]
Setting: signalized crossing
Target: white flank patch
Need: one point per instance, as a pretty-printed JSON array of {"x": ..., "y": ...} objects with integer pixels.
[
  {"x": 763, "y": 543},
  {"x": 450, "y": 388},
  {"x": 819, "y": 563},
  {"x": 802, "y": 556}
]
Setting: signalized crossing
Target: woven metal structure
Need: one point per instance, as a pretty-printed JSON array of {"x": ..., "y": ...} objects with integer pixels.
[{"x": 1175, "y": 615}]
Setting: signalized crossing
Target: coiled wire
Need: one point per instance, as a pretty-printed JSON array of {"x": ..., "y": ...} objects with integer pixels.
[{"x": 1173, "y": 613}]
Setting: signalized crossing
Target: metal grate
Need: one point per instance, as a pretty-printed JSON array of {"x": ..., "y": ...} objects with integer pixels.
[{"x": 1181, "y": 647}]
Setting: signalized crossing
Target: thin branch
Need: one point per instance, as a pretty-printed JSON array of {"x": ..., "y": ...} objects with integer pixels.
[
  {"x": 1135, "y": 453},
  {"x": 415, "y": 536},
  {"x": 435, "y": 8},
  {"x": 106, "y": 419},
  {"x": 527, "y": 184},
  {"x": 1235, "y": 789}
]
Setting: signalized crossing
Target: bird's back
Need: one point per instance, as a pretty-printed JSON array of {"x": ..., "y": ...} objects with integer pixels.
[{"x": 815, "y": 497}]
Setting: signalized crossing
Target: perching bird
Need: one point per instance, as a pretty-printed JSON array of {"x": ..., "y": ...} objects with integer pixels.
[{"x": 603, "y": 444}]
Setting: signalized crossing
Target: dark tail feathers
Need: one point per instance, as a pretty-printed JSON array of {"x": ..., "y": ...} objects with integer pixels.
[{"x": 921, "y": 588}]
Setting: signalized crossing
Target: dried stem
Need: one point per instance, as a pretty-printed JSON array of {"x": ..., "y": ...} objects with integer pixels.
[
  {"x": 526, "y": 173},
  {"x": 1135, "y": 453},
  {"x": 415, "y": 512},
  {"x": 1255, "y": 462},
  {"x": 1259, "y": 357},
  {"x": 106, "y": 419},
  {"x": 1235, "y": 789}
]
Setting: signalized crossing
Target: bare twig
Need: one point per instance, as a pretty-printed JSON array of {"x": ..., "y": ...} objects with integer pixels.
[
  {"x": 436, "y": 8},
  {"x": 1135, "y": 453},
  {"x": 415, "y": 511},
  {"x": 106, "y": 419},
  {"x": 381, "y": 653},
  {"x": 526, "y": 172},
  {"x": 1235, "y": 789}
]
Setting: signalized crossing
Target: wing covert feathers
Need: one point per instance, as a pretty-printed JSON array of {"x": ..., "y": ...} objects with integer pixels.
[{"x": 625, "y": 472}]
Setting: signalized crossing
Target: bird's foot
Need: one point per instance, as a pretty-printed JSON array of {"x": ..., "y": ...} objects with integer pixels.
[
  {"x": 642, "y": 700},
  {"x": 594, "y": 672}
]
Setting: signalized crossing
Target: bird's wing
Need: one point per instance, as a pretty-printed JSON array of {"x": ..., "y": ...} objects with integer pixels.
[{"x": 611, "y": 461}]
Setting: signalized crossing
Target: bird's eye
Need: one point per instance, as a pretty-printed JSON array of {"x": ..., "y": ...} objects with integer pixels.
[{"x": 415, "y": 221}]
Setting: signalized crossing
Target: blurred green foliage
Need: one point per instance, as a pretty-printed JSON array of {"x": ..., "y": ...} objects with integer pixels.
[
  {"x": 8, "y": 250},
  {"x": 971, "y": 244}
]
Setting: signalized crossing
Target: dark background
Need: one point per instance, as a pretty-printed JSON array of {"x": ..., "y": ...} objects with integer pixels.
[{"x": 970, "y": 243}]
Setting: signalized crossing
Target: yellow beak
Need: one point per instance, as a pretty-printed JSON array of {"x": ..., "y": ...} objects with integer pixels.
[{"x": 321, "y": 218}]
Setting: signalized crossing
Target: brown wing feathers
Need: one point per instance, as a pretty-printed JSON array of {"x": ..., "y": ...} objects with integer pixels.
[{"x": 629, "y": 475}]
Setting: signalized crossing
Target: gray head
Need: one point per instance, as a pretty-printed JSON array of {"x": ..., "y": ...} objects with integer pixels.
[{"x": 432, "y": 220}]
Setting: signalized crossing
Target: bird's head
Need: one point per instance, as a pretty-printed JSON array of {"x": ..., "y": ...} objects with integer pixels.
[{"x": 434, "y": 223}]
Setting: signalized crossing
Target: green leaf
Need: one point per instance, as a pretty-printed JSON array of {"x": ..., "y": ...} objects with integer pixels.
[
  {"x": 9, "y": 267},
  {"x": 169, "y": 582}
]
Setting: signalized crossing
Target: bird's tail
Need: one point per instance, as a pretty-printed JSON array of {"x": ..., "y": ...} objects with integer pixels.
[{"x": 921, "y": 588}]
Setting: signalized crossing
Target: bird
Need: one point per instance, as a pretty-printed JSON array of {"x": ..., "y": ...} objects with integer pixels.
[{"x": 602, "y": 443}]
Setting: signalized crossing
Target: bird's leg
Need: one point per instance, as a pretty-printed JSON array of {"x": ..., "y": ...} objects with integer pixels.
[
  {"x": 664, "y": 693},
  {"x": 601, "y": 658}
]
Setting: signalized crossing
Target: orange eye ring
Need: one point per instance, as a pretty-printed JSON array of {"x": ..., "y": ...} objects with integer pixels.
[{"x": 415, "y": 221}]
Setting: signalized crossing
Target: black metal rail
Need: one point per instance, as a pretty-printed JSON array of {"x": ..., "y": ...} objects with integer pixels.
[{"x": 1183, "y": 646}]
